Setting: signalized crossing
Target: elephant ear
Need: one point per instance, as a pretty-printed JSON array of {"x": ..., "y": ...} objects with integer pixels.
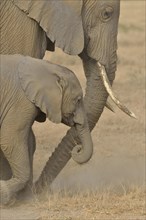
[
  {"x": 41, "y": 86},
  {"x": 61, "y": 20}
]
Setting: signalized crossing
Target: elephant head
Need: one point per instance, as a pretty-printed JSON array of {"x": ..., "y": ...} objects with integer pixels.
[{"x": 56, "y": 91}]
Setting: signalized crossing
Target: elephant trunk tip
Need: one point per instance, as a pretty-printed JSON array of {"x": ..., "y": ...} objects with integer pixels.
[{"x": 80, "y": 155}]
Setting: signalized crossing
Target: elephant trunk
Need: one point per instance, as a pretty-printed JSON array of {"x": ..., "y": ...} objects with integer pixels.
[
  {"x": 96, "y": 94},
  {"x": 57, "y": 161},
  {"x": 81, "y": 154}
]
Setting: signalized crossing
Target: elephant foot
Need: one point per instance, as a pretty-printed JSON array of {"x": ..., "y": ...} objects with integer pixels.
[
  {"x": 6, "y": 199},
  {"x": 11, "y": 203},
  {"x": 25, "y": 194}
]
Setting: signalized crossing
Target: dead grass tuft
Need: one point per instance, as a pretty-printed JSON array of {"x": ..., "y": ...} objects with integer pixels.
[{"x": 106, "y": 204}]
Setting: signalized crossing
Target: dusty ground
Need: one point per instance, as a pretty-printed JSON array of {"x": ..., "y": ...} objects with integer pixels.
[{"x": 111, "y": 185}]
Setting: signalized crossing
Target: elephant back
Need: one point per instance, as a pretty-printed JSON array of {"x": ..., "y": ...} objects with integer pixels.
[{"x": 19, "y": 33}]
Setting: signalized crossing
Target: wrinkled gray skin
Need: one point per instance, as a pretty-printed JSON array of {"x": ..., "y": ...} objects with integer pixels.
[
  {"x": 33, "y": 89},
  {"x": 84, "y": 27}
]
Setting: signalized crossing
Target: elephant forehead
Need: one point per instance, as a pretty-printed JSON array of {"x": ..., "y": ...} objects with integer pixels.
[
  {"x": 76, "y": 90},
  {"x": 74, "y": 80},
  {"x": 70, "y": 77},
  {"x": 73, "y": 91},
  {"x": 74, "y": 83}
]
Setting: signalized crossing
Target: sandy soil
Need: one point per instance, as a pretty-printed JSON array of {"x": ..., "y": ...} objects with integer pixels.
[{"x": 111, "y": 185}]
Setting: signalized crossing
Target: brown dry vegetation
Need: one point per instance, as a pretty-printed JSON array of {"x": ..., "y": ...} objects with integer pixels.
[
  {"x": 94, "y": 205},
  {"x": 111, "y": 185}
]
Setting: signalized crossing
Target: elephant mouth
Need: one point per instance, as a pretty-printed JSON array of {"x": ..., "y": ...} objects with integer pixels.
[
  {"x": 67, "y": 119},
  {"x": 112, "y": 95}
]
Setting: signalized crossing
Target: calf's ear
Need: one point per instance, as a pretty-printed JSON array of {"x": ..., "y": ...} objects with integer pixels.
[{"x": 41, "y": 86}]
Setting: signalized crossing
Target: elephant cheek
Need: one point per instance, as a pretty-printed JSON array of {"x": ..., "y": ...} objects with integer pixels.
[{"x": 103, "y": 49}]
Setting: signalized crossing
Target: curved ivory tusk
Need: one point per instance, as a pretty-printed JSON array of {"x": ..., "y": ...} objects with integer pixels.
[
  {"x": 108, "y": 87},
  {"x": 109, "y": 106}
]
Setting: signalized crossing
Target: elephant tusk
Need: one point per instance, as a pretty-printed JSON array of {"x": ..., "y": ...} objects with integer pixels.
[
  {"x": 108, "y": 87},
  {"x": 109, "y": 106}
]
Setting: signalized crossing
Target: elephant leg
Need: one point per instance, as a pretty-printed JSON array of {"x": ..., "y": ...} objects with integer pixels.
[
  {"x": 25, "y": 193},
  {"x": 17, "y": 155},
  {"x": 5, "y": 169},
  {"x": 31, "y": 150}
]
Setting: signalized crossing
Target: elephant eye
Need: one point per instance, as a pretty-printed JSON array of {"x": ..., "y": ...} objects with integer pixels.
[
  {"x": 106, "y": 14},
  {"x": 77, "y": 101}
]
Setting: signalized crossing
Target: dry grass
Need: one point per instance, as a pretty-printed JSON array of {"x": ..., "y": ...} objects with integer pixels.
[{"x": 107, "y": 204}]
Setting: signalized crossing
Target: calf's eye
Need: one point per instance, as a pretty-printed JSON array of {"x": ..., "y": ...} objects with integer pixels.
[{"x": 78, "y": 100}]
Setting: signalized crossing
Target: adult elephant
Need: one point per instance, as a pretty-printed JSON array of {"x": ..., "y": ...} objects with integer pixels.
[{"x": 86, "y": 28}]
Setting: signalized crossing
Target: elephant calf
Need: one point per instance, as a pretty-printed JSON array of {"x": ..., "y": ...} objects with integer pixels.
[{"x": 30, "y": 90}]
